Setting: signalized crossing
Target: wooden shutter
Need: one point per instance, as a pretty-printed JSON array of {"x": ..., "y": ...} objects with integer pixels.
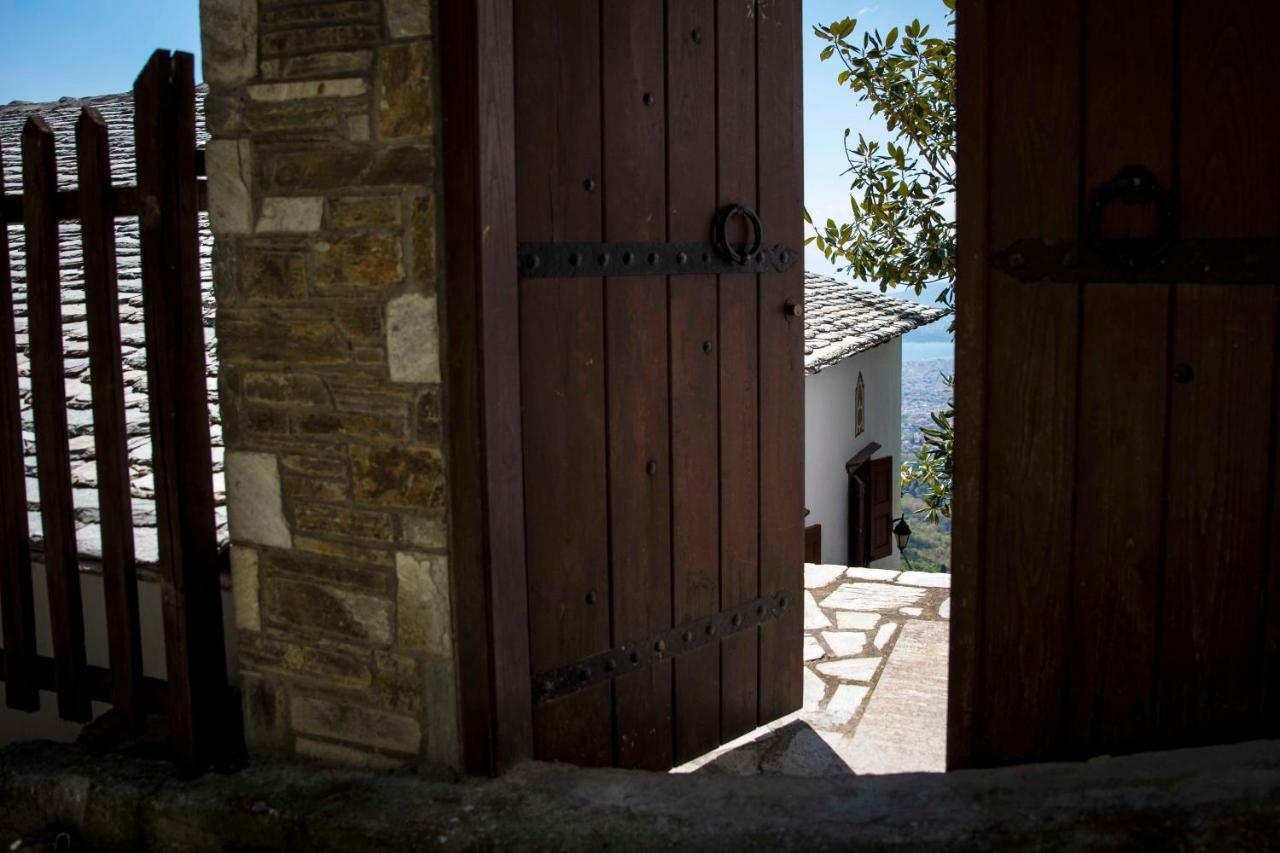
[
  {"x": 813, "y": 543},
  {"x": 881, "y": 507}
]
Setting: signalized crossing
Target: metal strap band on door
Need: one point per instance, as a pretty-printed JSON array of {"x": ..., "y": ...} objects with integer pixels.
[
  {"x": 1163, "y": 258},
  {"x": 720, "y": 257},
  {"x": 653, "y": 650}
]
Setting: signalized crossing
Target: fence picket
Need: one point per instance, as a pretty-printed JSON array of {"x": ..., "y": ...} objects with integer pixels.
[
  {"x": 17, "y": 602},
  {"x": 48, "y": 403},
  {"x": 164, "y": 128},
  {"x": 120, "y": 584}
]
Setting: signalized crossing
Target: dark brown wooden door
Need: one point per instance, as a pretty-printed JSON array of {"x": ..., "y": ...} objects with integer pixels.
[
  {"x": 1117, "y": 528},
  {"x": 661, "y": 415},
  {"x": 880, "y": 526}
]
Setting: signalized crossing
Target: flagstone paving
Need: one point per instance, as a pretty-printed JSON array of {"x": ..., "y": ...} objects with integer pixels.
[{"x": 875, "y": 681}]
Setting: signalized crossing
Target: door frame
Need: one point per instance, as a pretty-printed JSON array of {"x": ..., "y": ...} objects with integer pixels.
[{"x": 480, "y": 330}]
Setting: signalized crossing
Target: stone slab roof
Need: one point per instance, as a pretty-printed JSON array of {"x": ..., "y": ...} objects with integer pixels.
[
  {"x": 842, "y": 320},
  {"x": 117, "y": 111}
]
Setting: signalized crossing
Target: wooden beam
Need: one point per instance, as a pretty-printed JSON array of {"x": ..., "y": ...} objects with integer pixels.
[
  {"x": 102, "y": 307},
  {"x": 482, "y": 384},
  {"x": 48, "y": 407},
  {"x": 17, "y": 602}
]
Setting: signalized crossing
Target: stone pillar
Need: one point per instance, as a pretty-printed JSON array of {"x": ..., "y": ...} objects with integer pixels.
[{"x": 323, "y": 178}]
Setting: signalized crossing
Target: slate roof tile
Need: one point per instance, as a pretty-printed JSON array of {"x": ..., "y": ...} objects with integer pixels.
[{"x": 842, "y": 320}]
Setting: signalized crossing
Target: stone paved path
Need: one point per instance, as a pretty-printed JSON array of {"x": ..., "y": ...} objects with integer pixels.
[{"x": 875, "y": 681}]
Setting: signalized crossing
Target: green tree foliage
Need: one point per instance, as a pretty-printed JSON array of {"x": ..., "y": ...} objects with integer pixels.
[{"x": 901, "y": 233}]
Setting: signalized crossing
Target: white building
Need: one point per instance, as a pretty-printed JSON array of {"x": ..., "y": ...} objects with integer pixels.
[{"x": 853, "y": 420}]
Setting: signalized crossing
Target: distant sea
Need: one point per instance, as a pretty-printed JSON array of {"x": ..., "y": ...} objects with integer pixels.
[{"x": 927, "y": 350}]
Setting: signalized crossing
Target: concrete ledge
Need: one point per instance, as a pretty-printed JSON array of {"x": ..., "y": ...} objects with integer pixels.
[{"x": 1216, "y": 798}]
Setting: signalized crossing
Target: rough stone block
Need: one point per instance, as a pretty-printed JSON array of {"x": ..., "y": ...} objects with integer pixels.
[
  {"x": 282, "y": 337},
  {"x": 364, "y": 212},
  {"x": 329, "y": 664},
  {"x": 253, "y": 500},
  {"x": 244, "y": 588},
  {"x": 428, "y": 416},
  {"x": 405, "y": 107},
  {"x": 351, "y": 724},
  {"x": 286, "y": 389},
  {"x": 318, "y": 39},
  {"x": 408, "y": 18},
  {"x": 327, "y": 609},
  {"x": 330, "y": 63},
  {"x": 229, "y": 41},
  {"x": 373, "y": 399},
  {"x": 413, "y": 339},
  {"x": 318, "y": 568},
  {"x": 313, "y": 14},
  {"x": 366, "y": 525},
  {"x": 423, "y": 236},
  {"x": 266, "y": 713},
  {"x": 359, "y": 263},
  {"x": 397, "y": 683},
  {"x": 230, "y": 167},
  {"x": 352, "y": 425},
  {"x": 290, "y": 215},
  {"x": 345, "y": 756},
  {"x": 398, "y": 476},
  {"x": 334, "y": 168},
  {"x": 444, "y": 743},
  {"x": 423, "y": 603},
  {"x": 273, "y": 276},
  {"x": 315, "y": 489},
  {"x": 424, "y": 533},
  {"x": 363, "y": 553},
  {"x": 326, "y": 467},
  {"x": 316, "y": 121},
  {"x": 345, "y": 87}
]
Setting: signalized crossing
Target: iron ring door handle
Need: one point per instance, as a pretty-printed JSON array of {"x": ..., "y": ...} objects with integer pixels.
[
  {"x": 1133, "y": 185},
  {"x": 727, "y": 249}
]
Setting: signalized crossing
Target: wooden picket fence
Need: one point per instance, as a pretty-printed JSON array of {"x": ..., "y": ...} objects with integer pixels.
[{"x": 195, "y": 696}]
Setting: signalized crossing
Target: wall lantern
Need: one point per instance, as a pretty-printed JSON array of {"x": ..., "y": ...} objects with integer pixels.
[{"x": 902, "y": 531}]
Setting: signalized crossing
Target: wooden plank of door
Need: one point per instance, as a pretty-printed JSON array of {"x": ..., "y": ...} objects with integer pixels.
[
  {"x": 17, "y": 597},
  {"x": 739, "y": 366},
  {"x": 48, "y": 406},
  {"x": 1221, "y": 426},
  {"x": 102, "y": 307},
  {"x": 781, "y": 184},
  {"x": 558, "y": 172},
  {"x": 973, "y": 268},
  {"x": 636, "y": 342},
  {"x": 695, "y": 438},
  {"x": 1030, "y": 418},
  {"x": 482, "y": 383},
  {"x": 1124, "y": 379}
]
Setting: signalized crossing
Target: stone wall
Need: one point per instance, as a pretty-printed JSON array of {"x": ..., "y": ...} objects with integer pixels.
[{"x": 323, "y": 175}]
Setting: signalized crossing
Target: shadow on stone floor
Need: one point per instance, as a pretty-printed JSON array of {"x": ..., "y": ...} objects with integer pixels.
[{"x": 794, "y": 748}]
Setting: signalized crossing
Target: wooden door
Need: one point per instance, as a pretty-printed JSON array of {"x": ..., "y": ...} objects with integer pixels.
[
  {"x": 1117, "y": 528},
  {"x": 661, "y": 411}
]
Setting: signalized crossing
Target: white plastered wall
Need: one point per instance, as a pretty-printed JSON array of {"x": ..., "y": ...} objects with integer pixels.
[{"x": 830, "y": 440}]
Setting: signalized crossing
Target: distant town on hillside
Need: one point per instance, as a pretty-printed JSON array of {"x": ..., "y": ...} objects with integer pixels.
[{"x": 923, "y": 392}]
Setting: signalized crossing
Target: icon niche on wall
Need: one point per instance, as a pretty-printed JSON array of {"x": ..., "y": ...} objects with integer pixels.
[{"x": 859, "y": 407}]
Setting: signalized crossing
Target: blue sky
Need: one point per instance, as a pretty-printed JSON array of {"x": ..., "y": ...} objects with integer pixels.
[{"x": 52, "y": 48}]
